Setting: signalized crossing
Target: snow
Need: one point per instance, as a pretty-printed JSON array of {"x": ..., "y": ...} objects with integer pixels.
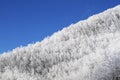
[{"x": 87, "y": 50}]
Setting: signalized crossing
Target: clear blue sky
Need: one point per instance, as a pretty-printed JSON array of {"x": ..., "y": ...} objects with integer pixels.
[{"x": 27, "y": 21}]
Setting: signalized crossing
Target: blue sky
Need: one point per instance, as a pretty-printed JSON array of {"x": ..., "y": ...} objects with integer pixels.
[{"x": 27, "y": 21}]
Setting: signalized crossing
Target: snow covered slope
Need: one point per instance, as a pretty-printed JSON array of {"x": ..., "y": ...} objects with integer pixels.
[{"x": 87, "y": 50}]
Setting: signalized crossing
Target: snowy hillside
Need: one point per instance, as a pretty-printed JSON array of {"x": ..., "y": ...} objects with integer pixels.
[{"x": 87, "y": 50}]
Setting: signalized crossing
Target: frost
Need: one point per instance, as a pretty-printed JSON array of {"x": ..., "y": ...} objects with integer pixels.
[{"x": 87, "y": 50}]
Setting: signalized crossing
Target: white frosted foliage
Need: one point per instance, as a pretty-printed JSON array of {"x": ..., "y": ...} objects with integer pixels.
[{"x": 87, "y": 50}]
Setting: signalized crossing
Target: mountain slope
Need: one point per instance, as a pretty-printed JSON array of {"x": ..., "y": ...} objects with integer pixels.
[{"x": 87, "y": 50}]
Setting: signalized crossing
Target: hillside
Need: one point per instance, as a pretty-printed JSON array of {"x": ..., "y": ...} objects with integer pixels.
[{"x": 87, "y": 50}]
